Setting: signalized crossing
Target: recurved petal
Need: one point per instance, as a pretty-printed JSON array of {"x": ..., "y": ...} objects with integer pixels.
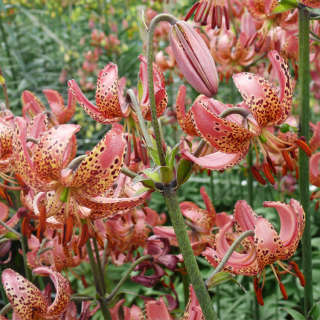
[
  {"x": 267, "y": 241},
  {"x": 184, "y": 120},
  {"x": 311, "y": 3},
  {"x": 238, "y": 263},
  {"x": 62, "y": 288},
  {"x": 244, "y": 215},
  {"x": 26, "y": 299},
  {"x": 261, "y": 98},
  {"x": 56, "y": 103},
  {"x": 23, "y": 163},
  {"x": 285, "y": 83},
  {"x": 161, "y": 97},
  {"x": 94, "y": 112},
  {"x": 6, "y": 135},
  {"x": 314, "y": 169},
  {"x": 107, "y": 94},
  {"x": 103, "y": 207},
  {"x": 31, "y": 105},
  {"x": 292, "y": 225},
  {"x": 54, "y": 151},
  {"x": 215, "y": 161},
  {"x": 98, "y": 171},
  {"x": 226, "y": 136}
]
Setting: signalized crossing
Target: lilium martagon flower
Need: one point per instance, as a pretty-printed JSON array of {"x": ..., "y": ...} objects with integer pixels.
[
  {"x": 266, "y": 247},
  {"x": 28, "y": 302},
  {"x": 266, "y": 107}
]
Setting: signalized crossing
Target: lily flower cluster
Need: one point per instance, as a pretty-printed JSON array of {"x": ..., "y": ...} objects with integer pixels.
[{"x": 68, "y": 199}]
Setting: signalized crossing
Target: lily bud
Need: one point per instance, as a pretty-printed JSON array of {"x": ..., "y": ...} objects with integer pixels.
[{"x": 193, "y": 58}]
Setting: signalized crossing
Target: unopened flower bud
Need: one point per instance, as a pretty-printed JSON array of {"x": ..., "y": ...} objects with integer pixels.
[{"x": 193, "y": 58}]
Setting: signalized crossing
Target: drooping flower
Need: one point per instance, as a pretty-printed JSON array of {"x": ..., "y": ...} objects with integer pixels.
[
  {"x": 266, "y": 247},
  {"x": 67, "y": 190},
  {"x": 193, "y": 58},
  {"x": 111, "y": 106},
  {"x": 265, "y": 106},
  {"x": 28, "y": 302}
]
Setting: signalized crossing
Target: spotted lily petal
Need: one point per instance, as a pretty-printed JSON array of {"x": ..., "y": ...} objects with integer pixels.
[
  {"x": 159, "y": 89},
  {"x": 103, "y": 207},
  {"x": 56, "y": 103},
  {"x": 267, "y": 242},
  {"x": 238, "y": 263},
  {"x": 54, "y": 151},
  {"x": 265, "y": 103},
  {"x": 244, "y": 215},
  {"x": 314, "y": 169},
  {"x": 98, "y": 171},
  {"x": 26, "y": 299},
  {"x": 62, "y": 288},
  {"x": 311, "y": 3},
  {"x": 31, "y": 105},
  {"x": 184, "y": 120},
  {"x": 225, "y": 135},
  {"x": 108, "y": 107},
  {"x": 215, "y": 161},
  {"x": 292, "y": 225}
]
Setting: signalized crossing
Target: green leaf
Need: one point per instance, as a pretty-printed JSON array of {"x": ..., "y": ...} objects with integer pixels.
[
  {"x": 184, "y": 171},
  {"x": 166, "y": 174},
  {"x": 172, "y": 156},
  {"x": 294, "y": 314},
  {"x": 11, "y": 235},
  {"x": 315, "y": 312},
  {"x": 219, "y": 278},
  {"x": 153, "y": 174},
  {"x": 285, "y": 5}
]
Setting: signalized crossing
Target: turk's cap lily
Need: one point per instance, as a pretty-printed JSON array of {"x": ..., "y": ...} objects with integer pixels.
[
  {"x": 160, "y": 92},
  {"x": 266, "y": 246},
  {"x": 27, "y": 300},
  {"x": 193, "y": 58},
  {"x": 109, "y": 106}
]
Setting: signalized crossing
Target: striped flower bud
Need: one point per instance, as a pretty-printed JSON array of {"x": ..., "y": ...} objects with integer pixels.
[{"x": 193, "y": 58}]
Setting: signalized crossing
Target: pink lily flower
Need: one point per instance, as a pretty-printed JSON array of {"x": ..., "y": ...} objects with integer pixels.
[
  {"x": 265, "y": 105},
  {"x": 111, "y": 106},
  {"x": 266, "y": 247},
  {"x": 27, "y": 300},
  {"x": 66, "y": 190}
]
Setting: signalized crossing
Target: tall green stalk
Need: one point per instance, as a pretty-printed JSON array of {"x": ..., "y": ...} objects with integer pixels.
[
  {"x": 304, "y": 106},
  {"x": 170, "y": 195},
  {"x": 256, "y": 312}
]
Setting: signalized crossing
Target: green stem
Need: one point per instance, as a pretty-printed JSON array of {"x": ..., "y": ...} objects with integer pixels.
[
  {"x": 138, "y": 112},
  {"x": 155, "y": 124},
  {"x": 230, "y": 251},
  {"x": 304, "y": 105},
  {"x": 256, "y": 311},
  {"x": 109, "y": 297},
  {"x": 97, "y": 281},
  {"x": 23, "y": 241},
  {"x": 170, "y": 195},
  {"x": 188, "y": 256},
  {"x": 5, "y": 309},
  {"x": 99, "y": 266}
]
